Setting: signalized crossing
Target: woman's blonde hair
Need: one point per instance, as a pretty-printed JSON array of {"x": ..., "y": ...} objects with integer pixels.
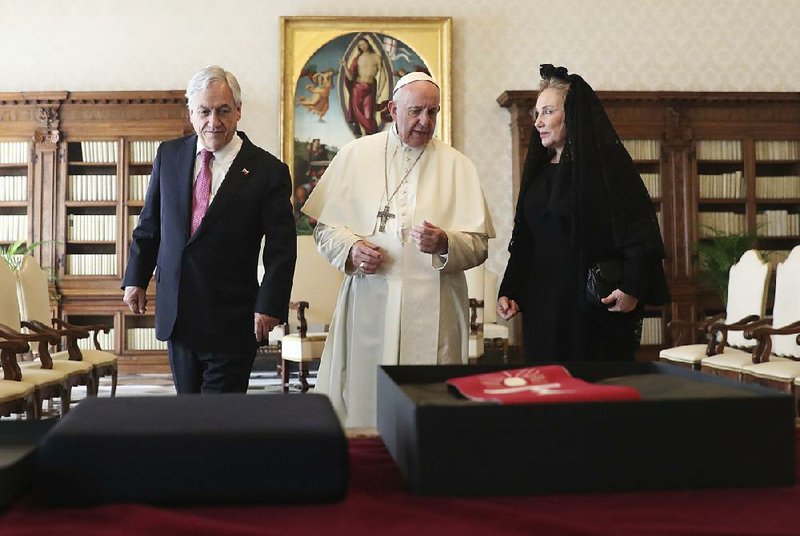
[{"x": 554, "y": 83}]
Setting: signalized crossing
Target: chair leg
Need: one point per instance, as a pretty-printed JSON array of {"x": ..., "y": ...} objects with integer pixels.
[
  {"x": 284, "y": 376},
  {"x": 37, "y": 403},
  {"x": 114, "y": 374},
  {"x": 66, "y": 399},
  {"x": 303, "y": 381}
]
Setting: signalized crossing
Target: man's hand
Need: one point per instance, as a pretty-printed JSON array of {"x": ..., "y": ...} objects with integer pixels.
[
  {"x": 136, "y": 300},
  {"x": 429, "y": 238},
  {"x": 366, "y": 257},
  {"x": 263, "y": 324}
]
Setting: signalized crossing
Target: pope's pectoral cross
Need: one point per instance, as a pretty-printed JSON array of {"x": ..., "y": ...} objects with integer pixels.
[{"x": 384, "y": 215}]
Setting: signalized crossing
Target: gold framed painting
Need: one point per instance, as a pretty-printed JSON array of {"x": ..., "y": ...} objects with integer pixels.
[{"x": 337, "y": 77}]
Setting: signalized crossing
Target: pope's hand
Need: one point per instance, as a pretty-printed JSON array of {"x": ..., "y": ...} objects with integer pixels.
[
  {"x": 366, "y": 257},
  {"x": 429, "y": 238}
]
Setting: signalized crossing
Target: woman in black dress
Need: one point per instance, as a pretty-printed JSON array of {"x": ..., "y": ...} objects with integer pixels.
[{"x": 581, "y": 202}]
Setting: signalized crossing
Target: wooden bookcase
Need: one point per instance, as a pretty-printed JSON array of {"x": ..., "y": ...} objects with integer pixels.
[
  {"x": 89, "y": 161},
  {"x": 731, "y": 160}
]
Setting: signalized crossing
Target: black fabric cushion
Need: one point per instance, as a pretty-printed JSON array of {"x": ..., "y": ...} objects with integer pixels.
[{"x": 192, "y": 449}]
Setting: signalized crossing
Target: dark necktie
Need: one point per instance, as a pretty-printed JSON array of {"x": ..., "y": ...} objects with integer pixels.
[{"x": 202, "y": 189}]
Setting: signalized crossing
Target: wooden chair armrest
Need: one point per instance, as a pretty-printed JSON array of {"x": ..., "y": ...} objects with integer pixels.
[
  {"x": 38, "y": 327},
  {"x": 681, "y": 329},
  {"x": 44, "y": 339},
  {"x": 105, "y": 328},
  {"x": 72, "y": 336},
  {"x": 762, "y": 334},
  {"x": 8, "y": 358},
  {"x": 751, "y": 331},
  {"x": 721, "y": 328},
  {"x": 742, "y": 324},
  {"x": 80, "y": 331},
  {"x": 765, "y": 331},
  {"x": 301, "y": 307},
  {"x": 474, "y": 304},
  {"x": 707, "y": 323}
]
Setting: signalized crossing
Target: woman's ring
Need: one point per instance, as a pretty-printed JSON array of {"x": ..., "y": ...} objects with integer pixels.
[{"x": 361, "y": 265}]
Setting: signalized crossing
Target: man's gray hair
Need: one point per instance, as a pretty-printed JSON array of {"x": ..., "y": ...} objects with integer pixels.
[{"x": 208, "y": 75}]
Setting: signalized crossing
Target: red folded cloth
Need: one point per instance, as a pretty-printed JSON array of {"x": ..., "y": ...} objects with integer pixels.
[{"x": 546, "y": 384}]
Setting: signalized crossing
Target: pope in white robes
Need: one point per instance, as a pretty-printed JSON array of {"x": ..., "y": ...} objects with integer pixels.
[{"x": 403, "y": 216}]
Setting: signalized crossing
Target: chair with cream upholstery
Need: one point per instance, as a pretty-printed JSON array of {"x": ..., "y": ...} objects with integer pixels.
[
  {"x": 314, "y": 293},
  {"x": 747, "y": 296},
  {"x": 777, "y": 356},
  {"x": 50, "y": 381},
  {"x": 15, "y": 396},
  {"x": 494, "y": 333},
  {"x": 476, "y": 293},
  {"x": 36, "y": 314}
]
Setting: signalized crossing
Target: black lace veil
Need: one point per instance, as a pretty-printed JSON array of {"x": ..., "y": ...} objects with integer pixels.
[{"x": 611, "y": 211}]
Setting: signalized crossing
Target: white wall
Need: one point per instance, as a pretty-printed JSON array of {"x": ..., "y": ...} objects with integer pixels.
[{"x": 702, "y": 45}]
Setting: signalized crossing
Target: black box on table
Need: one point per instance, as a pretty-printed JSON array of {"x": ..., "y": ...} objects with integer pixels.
[
  {"x": 196, "y": 449},
  {"x": 689, "y": 430}
]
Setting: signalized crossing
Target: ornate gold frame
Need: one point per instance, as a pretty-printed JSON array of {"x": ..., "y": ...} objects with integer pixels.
[{"x": 301, "y": 37}]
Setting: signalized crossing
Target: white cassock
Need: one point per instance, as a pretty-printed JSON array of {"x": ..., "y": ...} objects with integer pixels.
[{"x": 414, "y": 310}]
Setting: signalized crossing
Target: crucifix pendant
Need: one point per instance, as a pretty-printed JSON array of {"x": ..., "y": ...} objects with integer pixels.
[{"x": 384, "y": 215}]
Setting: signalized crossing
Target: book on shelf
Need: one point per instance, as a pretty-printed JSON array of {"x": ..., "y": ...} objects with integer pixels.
[
  {"x": 643, "y": 149},
  {"x": 13, "y": 227},
  {"x": 652, "y": 181},
  {"x": 101, "y": 152},
  {"x": 778, "y": 187},
  {"x": 778, "y": 223},
  {"x": 723, "y": 222},
  {"x": 543, "y": 384},
  {"x": 92, "y": 227},
  {"x": 719, "y": 150},
  {"x": 138, "y": 187},
  {"x": 14, "y": 152},
  {"x": 133, "y": 219},
  {"x": 13, "y": 187},
  {"x": 143, "y": 151},
  {"x": 144, "y": 339},
  {"x": 91, "y": 264},
  {"x": 652, "y": 331},
  {"x": 92, "y": 188},
  {"x": 722, "y": 186},
  {"x": 778, "y": 150}
]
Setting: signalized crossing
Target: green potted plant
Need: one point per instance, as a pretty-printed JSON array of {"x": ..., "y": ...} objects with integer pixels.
[
  {"x": 15, "y": 253},
  {"x": 718, "y": 253}
]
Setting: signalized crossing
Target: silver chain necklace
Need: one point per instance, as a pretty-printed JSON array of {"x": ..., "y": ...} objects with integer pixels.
[{"x": 384, "y": 215}]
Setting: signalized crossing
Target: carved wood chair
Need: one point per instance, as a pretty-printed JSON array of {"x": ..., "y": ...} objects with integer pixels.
[
  {"x": 34, "y": 297},
  {"x": 476, "y": 293},
  {"x": 314, "y": 293},
  {"x": 51, "y": 378},
  {"x": 497, "y": 334},
  {"x": 16, "y": 396},
  {"x": 747, "y": 296},
  {"x": 776, "y": 358},
  {"x": 482, "y": 291}
]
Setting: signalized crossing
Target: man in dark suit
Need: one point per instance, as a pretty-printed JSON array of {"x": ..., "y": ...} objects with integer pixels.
[{"x": 212, "y": 197}]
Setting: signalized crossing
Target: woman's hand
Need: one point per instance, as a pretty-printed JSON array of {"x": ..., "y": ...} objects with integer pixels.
[
  {"x": 506, "y": 309},
  {"x": 619, "y": 302}
]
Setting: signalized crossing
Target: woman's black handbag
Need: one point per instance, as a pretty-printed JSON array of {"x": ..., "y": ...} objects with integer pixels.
[{"x": 603, "y": 278}]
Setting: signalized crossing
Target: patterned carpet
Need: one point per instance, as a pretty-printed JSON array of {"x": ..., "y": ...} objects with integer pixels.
[{"x": 261, "y": 382}]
